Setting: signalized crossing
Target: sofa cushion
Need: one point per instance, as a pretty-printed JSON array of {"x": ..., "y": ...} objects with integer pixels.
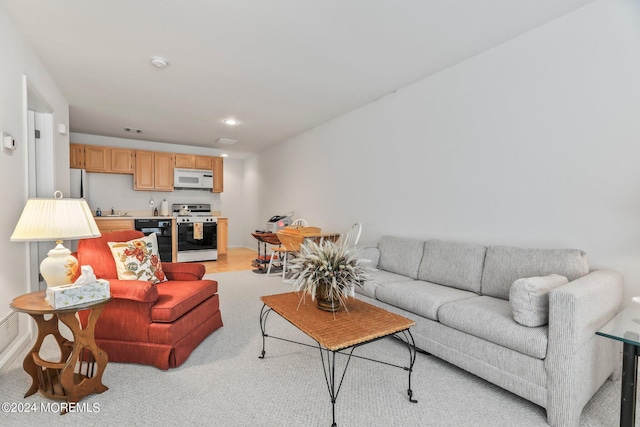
[
  {"x": 419, "y": 297},
  {"x": 173, "y": 332},
  {"x": 529, "y": 298},
  {"x": 454, "y": 264},
  {"x": 176, "y": 298},
  {"x": 379, "y": 277},
  {"x": 504, "y": 265},
  {"x": 400, "y": 255},
  {"x": 138, "y": 259},
  {"x": 490, "y": 318},
  {"x": 183, "y": 271}
]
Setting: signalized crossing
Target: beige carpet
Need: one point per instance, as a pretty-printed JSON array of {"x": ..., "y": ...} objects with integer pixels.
[{"x": 224, "y": 383}]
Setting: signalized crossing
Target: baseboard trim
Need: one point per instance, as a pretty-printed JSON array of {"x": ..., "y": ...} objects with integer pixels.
[{"x": 14, "y": 351}]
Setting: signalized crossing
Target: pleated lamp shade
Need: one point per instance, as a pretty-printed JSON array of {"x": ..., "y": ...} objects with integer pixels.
[{"x": 56, "y": 219}]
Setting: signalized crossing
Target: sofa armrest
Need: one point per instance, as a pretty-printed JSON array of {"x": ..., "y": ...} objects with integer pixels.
[
  {"x": 183, "y": 271},
  {"x": 580, "y": 308},
  {"x": 578, "y": 361},
  {"x": 134, "y": 290}
]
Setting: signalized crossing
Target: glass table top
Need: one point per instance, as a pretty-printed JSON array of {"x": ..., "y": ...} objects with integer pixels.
[{"x": 624, "y": 327}]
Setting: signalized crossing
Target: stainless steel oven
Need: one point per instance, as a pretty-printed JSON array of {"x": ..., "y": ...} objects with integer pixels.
[{"x": 197, "y": 233}]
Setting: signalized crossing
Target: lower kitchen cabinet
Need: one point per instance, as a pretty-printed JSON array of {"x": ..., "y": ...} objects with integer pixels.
[
  {"x": 106, "y": 225},
  {"x": 223, "y": 235}
]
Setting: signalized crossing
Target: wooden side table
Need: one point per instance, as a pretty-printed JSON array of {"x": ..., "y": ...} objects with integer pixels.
[{"x": 78, "y": 373}]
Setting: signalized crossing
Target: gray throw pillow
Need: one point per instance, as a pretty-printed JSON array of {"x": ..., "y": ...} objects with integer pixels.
[
  {"x": 369, "y": 253},
  {"x": 529, "y": 299}
]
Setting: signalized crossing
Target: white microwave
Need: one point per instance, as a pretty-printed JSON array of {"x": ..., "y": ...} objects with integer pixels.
[{"x": 192, "y": 179}]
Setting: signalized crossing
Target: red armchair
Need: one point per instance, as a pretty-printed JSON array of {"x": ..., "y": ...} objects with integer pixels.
[{"x": 157, "y": 325}]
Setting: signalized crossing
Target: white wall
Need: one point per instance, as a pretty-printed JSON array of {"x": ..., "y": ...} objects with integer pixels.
[
  {"x": 533, "y": 143},
  {"x": 232, "y": 201},
  {"x": 19, "y": 60}
]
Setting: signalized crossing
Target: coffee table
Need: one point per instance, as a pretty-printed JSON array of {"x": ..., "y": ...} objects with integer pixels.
[{"x": 339, "y": 333}]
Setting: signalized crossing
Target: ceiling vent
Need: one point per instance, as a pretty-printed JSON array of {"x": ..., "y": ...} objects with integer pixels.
[{"x": 226, "y": 141}]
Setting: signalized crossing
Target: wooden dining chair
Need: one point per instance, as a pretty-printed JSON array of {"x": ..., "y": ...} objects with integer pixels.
[{"x": 285, "y": 248}]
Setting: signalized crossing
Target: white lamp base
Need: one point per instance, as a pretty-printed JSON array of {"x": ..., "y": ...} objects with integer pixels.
[{"x": 59, "y": 267}]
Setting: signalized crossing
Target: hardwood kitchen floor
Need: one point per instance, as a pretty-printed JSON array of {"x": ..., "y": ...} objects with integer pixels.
[{"x": 236, "y": 259}]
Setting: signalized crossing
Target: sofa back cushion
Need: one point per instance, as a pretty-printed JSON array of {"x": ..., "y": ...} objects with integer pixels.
[
  {"x": 97, "y": 254},
  {"x": 503, "y": 265},
  {"x": 453, "y": 264},
  {"x": 400, "y": 255}
]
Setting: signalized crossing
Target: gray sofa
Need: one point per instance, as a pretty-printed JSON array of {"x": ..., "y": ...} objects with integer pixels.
[{"x": 459, "y": 296}]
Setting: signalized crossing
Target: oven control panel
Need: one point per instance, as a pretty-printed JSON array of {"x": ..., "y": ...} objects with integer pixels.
[{"x": 194, "y": 219}]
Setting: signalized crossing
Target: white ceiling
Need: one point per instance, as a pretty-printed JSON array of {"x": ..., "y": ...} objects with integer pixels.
[{"x": 280, "y": 67}]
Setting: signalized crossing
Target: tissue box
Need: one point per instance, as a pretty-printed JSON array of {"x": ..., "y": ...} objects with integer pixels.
[{"x": 70, "y": 295}]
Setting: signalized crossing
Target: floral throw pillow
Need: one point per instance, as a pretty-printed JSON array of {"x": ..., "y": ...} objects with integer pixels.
[{"x": 138, "y": 259}]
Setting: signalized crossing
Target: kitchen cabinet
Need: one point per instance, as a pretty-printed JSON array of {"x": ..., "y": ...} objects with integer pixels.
[
  {"x": 103, "y": 159},
  {"x": 164, "y": 171},
  {"x": 218, "y": 179},
  {"x": 143, "y": 177},
  {"x": 97, "y": 159},
  {"x": 153, "y": 171},
  {"x": 191, "y": 161},
  {"x": 76, "y": 156},
  {"x": 107, "y": 225},
  {"x": 223, "y": 235},
  {"x": 185, "y": 161},
  {"x": 121, "y": 160},
  {"x": 203, "y": 162}
]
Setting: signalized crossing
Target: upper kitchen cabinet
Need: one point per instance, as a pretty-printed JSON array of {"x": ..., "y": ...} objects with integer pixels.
[
  {"x": 164, "y": 171},
  {"x": 185, "y": 161},
  {"x": 218, "y": 181},
  {"x": 105, "y": 159},
  {"x": 121, "y": 160},
  {"x": 97, "y": 159},
  {"x": 203, "y": 162},
  {"x": 191, "y": 161},
  {"x": 76, "y": 156},
  {"x": 153, "y": 171}
]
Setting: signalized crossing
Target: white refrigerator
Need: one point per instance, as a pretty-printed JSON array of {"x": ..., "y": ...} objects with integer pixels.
[{"x": 79, "y": 184}]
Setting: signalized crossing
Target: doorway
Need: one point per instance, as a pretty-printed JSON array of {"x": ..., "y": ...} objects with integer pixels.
[{"x": 40, "y": 158}]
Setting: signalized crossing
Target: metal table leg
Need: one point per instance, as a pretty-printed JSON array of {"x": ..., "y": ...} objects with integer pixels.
[
  {"x": 264, "y": 314},
  {"x": 328, "y": 358},
  {"x": 629, "y": 385},
  {"x": 411, "y": 345}
]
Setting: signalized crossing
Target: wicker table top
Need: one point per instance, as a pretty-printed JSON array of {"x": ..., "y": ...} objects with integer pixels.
[{"x": 336, "y": 331}]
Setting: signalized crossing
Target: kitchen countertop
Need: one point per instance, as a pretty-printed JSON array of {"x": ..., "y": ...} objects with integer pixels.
[
  {"x": 133, "y": 217},
  {"x": 139, "y": 217}
]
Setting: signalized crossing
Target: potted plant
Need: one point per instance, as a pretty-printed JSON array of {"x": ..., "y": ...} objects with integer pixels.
[{"x": 328, "y": 272}]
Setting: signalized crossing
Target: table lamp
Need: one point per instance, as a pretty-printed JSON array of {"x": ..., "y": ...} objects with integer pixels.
[{"x": 56, "y": 220}]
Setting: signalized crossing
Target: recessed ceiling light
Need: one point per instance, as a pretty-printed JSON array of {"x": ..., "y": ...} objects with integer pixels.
[
  {"x": 227, "y": 141},
  {"x": 224, "y": 155},
  {"x": 159, "y": 62},
  {"x": 231, "y": 122}
]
